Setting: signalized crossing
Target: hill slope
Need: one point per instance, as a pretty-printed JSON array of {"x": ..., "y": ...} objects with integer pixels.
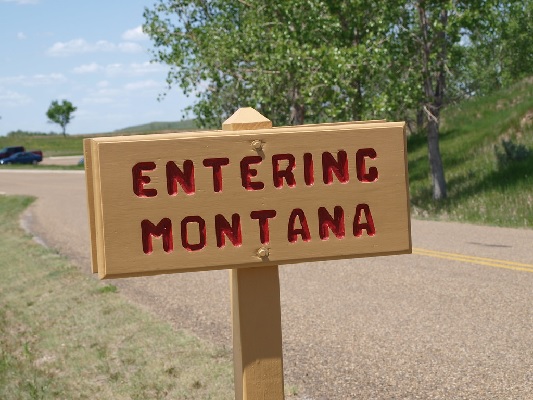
[
  {"x": 187, "y": 124},
  {"x": 486, "y": 183}
]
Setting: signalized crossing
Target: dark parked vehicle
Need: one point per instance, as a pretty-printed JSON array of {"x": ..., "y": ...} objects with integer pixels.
[
  {"x": 9, "y": 151},
  {"x": 22, "y": 158}
]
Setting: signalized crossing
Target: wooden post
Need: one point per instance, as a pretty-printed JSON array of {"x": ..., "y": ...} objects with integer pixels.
[{"x": 256, "y": 311}]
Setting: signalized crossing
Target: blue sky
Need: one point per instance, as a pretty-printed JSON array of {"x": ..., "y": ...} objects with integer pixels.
[{"x": 92, "y": 53}]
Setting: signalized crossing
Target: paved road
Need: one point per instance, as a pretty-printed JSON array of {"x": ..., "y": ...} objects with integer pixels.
[{"x": 452, "y": 321}]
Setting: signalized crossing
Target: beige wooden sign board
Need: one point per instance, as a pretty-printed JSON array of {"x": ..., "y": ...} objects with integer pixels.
[{"x": 196, "y": 201}]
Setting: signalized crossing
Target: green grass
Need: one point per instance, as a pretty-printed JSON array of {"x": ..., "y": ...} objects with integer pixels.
[
  {"x": 50, "y": 145},
  {"x": 42, "y": 167},
  {"x": 479, "y": 190},
  {"x": 64, "y": 335},
  {"x": 187, "y": 124}
]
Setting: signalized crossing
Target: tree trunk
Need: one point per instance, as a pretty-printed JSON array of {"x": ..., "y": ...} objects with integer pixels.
[
  {"x": 297, "y": 109},
  {"x": 297, "y": 114},
  {"x": 434, "y": 95},
  {"x": 435, "y": 161},
  {"x": 420, "y": 120}
]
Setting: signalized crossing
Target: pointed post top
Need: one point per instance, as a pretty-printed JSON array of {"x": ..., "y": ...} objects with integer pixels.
[{"x": 246, "y": 118}]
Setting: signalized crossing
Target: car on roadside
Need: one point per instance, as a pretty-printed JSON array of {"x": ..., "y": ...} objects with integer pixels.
[
  {"x": 9, "y": 151},
  {"x": 24, "y": 157}
]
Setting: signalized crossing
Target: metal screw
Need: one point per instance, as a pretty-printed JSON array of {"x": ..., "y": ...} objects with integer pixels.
[
  {"x": 257, "y": 145},
  {"x": 263, "y": 252}
]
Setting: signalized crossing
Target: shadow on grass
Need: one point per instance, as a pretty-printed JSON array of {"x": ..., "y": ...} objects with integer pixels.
[
  {"x": 503, "y": 179},
  {"x": 463, "y": 187}
]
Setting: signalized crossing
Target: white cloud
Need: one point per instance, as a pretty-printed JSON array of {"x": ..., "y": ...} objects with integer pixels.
[
  {"x": 135, "y": 34},
  {"x": 117, "y": 69},
  {"x": 142, "y": 85},
  {"x": 34, "y": 80},
  {"x": 9, "y": 98},
  {"x": 88, "y": 68},
  {"x": 21, "y": 36},
  {"x": 80, "y": 46},
  {"x": 103, "y": 84},
  {"x": 145, "y": 68},
  {"x": 130, "y": 47}
]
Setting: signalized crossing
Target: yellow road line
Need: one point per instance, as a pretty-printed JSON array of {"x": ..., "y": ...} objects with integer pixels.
[{"x": 491, "y": 262}]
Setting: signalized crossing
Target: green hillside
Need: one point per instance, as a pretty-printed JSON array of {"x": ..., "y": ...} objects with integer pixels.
[
  {"x": 486, "y": 183},
  {"x": 187, "y": 124},
  {"x": 50, "y": 145}
]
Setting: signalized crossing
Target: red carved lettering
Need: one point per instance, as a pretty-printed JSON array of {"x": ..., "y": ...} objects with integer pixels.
[
  {"x": 163, "y": 228},
  {"x": 339, "y": 167},
  {"x": 263, "y": 216},
  {"x": 185, "y": 234},
  {"x": 309, "y": 173},
  {"x": 368, "y": 225},
  {"x": 216, "y": 164},
  {"x": 223, "y": 229},
  {"x": 327, "y": 222},
  {"x": 362, "y": 175},
  {"x": 247, "y": 173},
  {"x": 286, "y": 173},
  {"x": 139, "y": 180},
  {"x": 292, "y": 231},
  {"x": 185, "y": 178}
]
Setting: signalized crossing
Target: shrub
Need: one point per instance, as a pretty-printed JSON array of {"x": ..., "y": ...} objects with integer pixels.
[{"x": 510, "y": 152}]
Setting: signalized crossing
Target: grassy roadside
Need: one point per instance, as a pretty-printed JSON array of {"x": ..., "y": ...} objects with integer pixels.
[
  {"x": 42, "y": 167},
  {"x": 65, "y": 335},
  {"x": 50, "y": 145},
  {"x": 481, "y": 189}
]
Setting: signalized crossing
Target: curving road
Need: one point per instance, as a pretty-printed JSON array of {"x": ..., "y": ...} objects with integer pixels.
[{"x": 452, "y": 321}]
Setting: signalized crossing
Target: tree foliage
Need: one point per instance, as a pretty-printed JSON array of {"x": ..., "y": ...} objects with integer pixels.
[
  {"x": 296, "y": 61},
  {"x": 313, "y": 61},
  {"x": 61, "y": 113}
]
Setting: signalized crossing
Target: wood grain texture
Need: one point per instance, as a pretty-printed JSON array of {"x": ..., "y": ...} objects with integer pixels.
[
  {"x": 120, "y": 211},
  {"x": 256, "y": 310},
  {"x": 257, "y": 338},
  {"x": 88, "y": 165},
  {"x": 246, "y": 118}
]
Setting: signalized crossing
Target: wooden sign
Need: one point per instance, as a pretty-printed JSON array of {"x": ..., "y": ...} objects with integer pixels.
[{"x": 206, "y": 200}]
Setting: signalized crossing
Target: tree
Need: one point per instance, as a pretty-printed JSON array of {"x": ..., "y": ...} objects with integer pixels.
[
  {"x": 61, "y": 113},
  {"x": 499, "y": 57},
  {"x": 328, "y": 60},
  {"x": 437, "y": 30},
  {"x": 296, "y": 61}
]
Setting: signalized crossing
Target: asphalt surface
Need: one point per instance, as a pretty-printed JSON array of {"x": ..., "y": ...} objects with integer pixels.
[{"x": 452, "y": 321}]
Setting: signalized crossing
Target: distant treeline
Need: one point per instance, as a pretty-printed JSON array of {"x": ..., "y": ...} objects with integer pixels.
[{"x": 29, "y": 133}]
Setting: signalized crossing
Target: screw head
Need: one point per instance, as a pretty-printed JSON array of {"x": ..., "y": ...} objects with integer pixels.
[
  {"x": 257, "y": 145},
  {"x": 263, "y": 252}
]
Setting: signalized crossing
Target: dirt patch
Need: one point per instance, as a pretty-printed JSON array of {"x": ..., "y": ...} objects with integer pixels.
[{"x": 527, "y": 119}]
